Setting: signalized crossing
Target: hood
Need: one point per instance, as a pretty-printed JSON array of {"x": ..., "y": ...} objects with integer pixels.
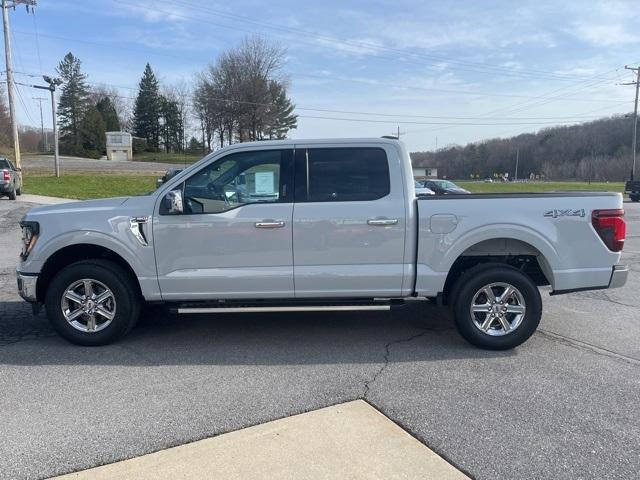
[
  {"x": 100, "y": 205},
  {"x": 457, "y": 190}
]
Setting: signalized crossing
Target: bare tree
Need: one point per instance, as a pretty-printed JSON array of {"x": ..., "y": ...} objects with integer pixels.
[
  {"x": 120, "y": 102},
  {"x": 242, "y": 97}
]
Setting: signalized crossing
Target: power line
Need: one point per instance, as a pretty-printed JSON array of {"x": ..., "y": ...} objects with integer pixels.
[
  {"x": 35, "y": 29},
  {"x": 322, "y": 77}
]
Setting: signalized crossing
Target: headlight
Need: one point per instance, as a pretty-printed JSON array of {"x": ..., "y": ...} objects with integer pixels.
[{"x": 30, "y": 232}]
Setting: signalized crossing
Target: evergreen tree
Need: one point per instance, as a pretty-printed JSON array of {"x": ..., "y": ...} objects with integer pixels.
[
  {"x": 282, "y": 119},
  {"x": 171, "y": 124},
  {"x": 73, "y": 103},
  {"x": 109, "y": 114},
  {"x": 147, "y": 109},
  {"x": 92, "y": 130}
]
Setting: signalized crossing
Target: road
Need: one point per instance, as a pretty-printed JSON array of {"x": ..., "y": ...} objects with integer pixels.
[
  {"x": 44, "y": 163},
  {"x": 563, "y": 405}
]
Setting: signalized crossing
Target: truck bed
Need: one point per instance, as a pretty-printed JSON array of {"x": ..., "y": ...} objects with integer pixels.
[{"x": 553, "y": 228}]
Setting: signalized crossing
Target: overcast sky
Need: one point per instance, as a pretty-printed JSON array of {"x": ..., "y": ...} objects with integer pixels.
[{"x": 490, "y": 68}]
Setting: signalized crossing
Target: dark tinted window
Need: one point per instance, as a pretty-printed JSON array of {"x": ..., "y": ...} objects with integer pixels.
[
  {"x": 4, "y": 164},
  {"x": 347, "y": 174}
]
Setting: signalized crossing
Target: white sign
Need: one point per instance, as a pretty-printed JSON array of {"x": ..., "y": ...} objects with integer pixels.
[{"x": 264, "y": 182}]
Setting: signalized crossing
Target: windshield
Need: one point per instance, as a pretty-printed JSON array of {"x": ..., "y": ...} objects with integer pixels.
[{"x": 445, "y": 184}]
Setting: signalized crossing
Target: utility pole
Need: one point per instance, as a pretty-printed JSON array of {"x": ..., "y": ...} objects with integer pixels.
[
  {"x": 53, "y": 83},
  {"x": 635, "y": 117},
  {"x": 517, "y": 158},
  {"x": 44, "y": 141},
  {"x": 6, "y": 5}
]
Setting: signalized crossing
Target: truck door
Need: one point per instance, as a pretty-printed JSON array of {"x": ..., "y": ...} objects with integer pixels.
[
  {"x": 234, "y": 237},
  {"x": 348, "y": 221}
]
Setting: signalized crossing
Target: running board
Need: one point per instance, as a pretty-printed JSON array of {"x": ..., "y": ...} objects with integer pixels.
[{"x": 299, "y": 308}]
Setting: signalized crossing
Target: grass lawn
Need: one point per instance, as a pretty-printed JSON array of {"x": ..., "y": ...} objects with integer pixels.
[
  {"x": 512, "y": 187},
  {"x": 83, "y": 186},
  {"x": 162, "y": 157}
]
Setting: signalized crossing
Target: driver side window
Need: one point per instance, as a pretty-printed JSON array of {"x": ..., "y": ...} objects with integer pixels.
[{"x": 239, "y": 179}]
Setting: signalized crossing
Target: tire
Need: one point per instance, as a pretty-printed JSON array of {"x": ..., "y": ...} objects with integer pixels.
[
  {"x": 635, "y": 197},
  {"x": 122, "y": 305},
  {"x": 19, "y": 191},
  {"x": 515, "y": 318},
  {"x": 12, "y": 193}
]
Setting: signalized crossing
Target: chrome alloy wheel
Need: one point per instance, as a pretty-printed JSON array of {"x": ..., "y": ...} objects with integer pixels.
[
  {"x": 88, "y": 305},
  {"x": 498, "y": 309}
]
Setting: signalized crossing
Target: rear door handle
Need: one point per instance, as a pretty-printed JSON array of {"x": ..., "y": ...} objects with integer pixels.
[
  {"x": 269, "y": 224},
  {"x": 381, "y": 222}
]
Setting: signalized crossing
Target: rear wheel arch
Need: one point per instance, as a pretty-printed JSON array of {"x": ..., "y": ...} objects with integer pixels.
[
  {"x": 77, "y": 252},
  {"x": 503, "y": 251}
]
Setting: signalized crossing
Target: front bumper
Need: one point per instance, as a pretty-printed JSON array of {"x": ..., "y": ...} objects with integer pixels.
[
  {"x": 27, "y": 286},
  {"x": 619, "y": 276}
]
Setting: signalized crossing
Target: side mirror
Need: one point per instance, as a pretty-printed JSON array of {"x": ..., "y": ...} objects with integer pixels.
[{"x": 172, "y": 203}]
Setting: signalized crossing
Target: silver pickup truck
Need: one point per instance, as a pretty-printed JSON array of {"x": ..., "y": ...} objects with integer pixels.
[{"x": 328, "y": 225}]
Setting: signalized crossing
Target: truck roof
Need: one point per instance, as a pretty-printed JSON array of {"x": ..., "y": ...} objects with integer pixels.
[{"x": 294, "y": 141}]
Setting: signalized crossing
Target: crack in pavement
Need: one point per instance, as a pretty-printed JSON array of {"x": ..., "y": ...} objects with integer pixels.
[
  {"x": 587, "y": 347},
  {"x": 387, "y": 352},
  {"x": 605, "y": 297}
]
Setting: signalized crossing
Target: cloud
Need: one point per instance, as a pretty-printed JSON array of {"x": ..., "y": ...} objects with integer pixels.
[{"x": 606, "y": 23}]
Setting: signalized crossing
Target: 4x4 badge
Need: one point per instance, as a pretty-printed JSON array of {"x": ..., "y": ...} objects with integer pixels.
[{"x": 570, "y": 212}]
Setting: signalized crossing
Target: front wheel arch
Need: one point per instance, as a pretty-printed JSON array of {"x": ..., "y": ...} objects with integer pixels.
[{"x": 73, "y": 253}]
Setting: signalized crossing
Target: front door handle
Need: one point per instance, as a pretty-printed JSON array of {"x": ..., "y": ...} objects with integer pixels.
[
  {"x": 270, "y": 224},
  {"x": 382, "y": 222}
]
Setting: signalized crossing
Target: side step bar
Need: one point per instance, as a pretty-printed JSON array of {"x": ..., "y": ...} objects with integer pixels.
[{"x": 298, "y": 308}]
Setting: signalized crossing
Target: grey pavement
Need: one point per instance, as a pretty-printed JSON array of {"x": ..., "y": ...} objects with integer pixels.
[
  {"x": 563, "y": 405},
  {"x": 44, "y": 163}
]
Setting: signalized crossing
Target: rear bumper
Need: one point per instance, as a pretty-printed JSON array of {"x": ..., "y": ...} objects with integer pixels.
[
  {"x": 27, "y": 286},
  {"x": 619, "y": 276}
]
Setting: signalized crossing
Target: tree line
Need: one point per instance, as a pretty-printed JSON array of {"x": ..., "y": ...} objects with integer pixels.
[
  {"x": 599, "y": 150},
  {"x": 241, "y": 97}
]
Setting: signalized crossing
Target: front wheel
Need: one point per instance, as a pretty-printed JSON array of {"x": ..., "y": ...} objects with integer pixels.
[
  {"x": 496, "y": 307},
  {"x": 92, "y": 302}
]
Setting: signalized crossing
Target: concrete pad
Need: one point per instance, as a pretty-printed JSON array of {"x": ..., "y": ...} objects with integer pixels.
[{"x": 348, "y": 441}]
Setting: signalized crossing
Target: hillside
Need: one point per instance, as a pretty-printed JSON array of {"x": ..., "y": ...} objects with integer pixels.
[{"x": 597, "y": 150}]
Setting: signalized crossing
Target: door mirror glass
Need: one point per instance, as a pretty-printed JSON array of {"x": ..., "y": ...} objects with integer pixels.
[{"x": 172, "y": 203}]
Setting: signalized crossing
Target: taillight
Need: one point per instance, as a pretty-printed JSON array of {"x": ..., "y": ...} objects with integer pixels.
[
  {"x": 611, "y": 227},
  {"x": 6, "y": 176}
]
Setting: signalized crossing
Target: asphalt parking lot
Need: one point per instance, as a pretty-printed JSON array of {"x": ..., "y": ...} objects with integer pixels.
[{"x": 564, "y": 405}]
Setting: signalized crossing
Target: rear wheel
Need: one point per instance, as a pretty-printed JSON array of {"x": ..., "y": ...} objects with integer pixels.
[
  {"x": 19, "y": 191},
  {"x": 496, "y": 307},
  {"x": 92, "y": 302},
  {"x": 12, "y": 193}
]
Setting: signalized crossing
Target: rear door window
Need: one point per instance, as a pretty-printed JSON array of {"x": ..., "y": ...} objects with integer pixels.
[{"x": 346, "y": 174}]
